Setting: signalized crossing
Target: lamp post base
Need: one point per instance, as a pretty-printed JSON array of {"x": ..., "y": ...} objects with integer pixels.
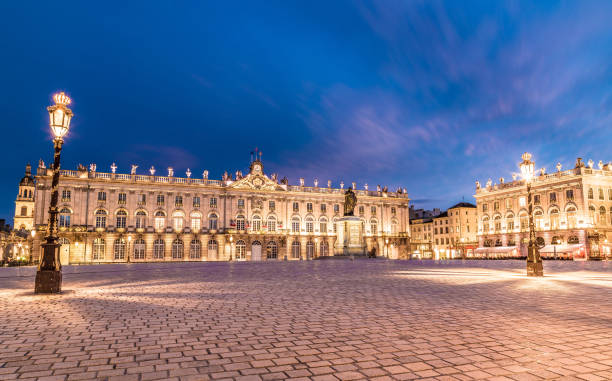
[
  {"x": 48, "y": 282},
  {"x": 535, "y": 269}
]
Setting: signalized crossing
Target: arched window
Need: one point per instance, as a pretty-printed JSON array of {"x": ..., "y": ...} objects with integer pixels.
[
  {"x": 524, "y": 221},
  {"x": 571, "y": 217},
  {"x": 139, "y": 249},
  {"x": 119, "y": 248},
  {"x": 593, "y": 215},
  {"x": 240, "y": 222},
  {"x": 121, "y": 218},
  {"x": 256, "y": 224},
  {"x": 212, "y": 249},
  {"x": 272, "y": 250},
  {"x": 178, "y": 219},
  {"x": 554, "y": 219},
  {"x": 295, "y": 250},
  {"x": 556, "y": 240},
  {"x": 573, "y": 240},
  {"x": 195, "y": 249},
  {"x": 485, "y": 224},
  {"x": 498, "y": 242},
  {"x": 510, "y": 222},
  {"x": 100, "y": 218},
  {"x": 309, "y": 250},
  {"x": 160, "y": 220},
  {"x": 240, "y": 249},
  {"x": 177, "y": 249},
  {"x": 196, "y": 221},
  {"x": 374, "y": 226},
  {"x": 323, "y": 225},
  {"x": 98, "y": 248},
  {"x": 497, "y": 223},
  {"x": 212, "y": 222},
  {"x": 538, "y": 217},
  {"x": 141, "y": 219},
  {"x": 323, "y": 249},
  {"x": 295, "y": 224},
  {"x": 271, "y": 224},
  {"x": 309, "y": 224},
  {"x": 64, "y": 218},
  {"x": 602, "y": 215},
  {"x": 159, "y": 248}
]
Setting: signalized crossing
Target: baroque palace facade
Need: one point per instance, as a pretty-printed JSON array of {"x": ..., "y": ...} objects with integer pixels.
[
  {"x": 572, "y": 212},
  {"x": 111, "y": 217}
]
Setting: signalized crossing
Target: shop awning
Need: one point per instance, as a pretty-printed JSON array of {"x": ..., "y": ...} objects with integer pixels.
[
  {"x": 566, "y": 248},
  {"x": 496, "y": 250}
]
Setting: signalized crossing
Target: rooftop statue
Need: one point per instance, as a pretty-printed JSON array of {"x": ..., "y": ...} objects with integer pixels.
[{"x": 350, "y": 200}]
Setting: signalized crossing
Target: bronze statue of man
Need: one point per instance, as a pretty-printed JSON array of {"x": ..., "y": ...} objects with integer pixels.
[{"x": 350, "y": 200}]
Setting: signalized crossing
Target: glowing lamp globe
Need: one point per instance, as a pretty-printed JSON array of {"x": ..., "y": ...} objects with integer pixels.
[
  {"x": 60, "y": 115},
  {"x": 527, "y": 166}
]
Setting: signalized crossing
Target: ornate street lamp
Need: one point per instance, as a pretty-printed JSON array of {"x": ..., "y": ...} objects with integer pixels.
[
  {"x": 534, "y": 261},
  {"x": 49, "y": 274}
]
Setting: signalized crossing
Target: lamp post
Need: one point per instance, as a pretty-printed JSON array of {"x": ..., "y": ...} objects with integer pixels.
[
  {"x": 231, "y": 238},
  {"x": 128, "y": 248},
  {"x": 534, "y": 261},
  {"x": 49, "y": 274}
]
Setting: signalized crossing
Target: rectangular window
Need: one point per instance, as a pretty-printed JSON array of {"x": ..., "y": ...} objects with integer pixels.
[
  {"x": 496, "y": 205},
  {"x": 271, "y": 205},
  {"x": 296, "y": 207},
  {"x": 66, "y": 195},
  {"x": 160, "y": 200},
  {"x": 393, "y": 210},
  {"x": 485, "y": 207},
  {"x": 213, "y": 202},
  {"x": 309, "y": 207},
  {"x": 122, "y": 198},
  {"x": 336, "y": 208},
  {"x": 196, "y": 201},
  {"x": 295, "y": 226},
  {"x": 361, "y": 210},
  {"x": 373, "y": 210},
  {"x": 553, "y": 197},
  {"x": 600, "y": 193},
  {"x": 522, "y": 201},
  {"x": 241, "y": 203},
  {"x": 101, "y": 196},
  {"x": 178, "y": 201},
  {"x": 142, "y": 199},
  {"x": 536, "y": 199},
  {"x": 323, "y": 208}
]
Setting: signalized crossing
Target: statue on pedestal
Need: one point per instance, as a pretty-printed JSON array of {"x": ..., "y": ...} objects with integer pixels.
[{"x": 350, "y": 200}]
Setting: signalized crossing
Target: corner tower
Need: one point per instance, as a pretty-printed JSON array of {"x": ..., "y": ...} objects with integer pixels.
[{"x": 24, "y": 204}]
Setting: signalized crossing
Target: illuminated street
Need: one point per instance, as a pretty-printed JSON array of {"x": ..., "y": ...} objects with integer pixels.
[{"x": 319, "y": 320}]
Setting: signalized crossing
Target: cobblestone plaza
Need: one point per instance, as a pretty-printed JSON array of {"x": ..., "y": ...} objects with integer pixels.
[{"x": 318, "y": 320}]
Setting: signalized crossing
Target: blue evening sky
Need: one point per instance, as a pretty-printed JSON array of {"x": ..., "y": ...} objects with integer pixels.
[{"x": 427, "y": 95}]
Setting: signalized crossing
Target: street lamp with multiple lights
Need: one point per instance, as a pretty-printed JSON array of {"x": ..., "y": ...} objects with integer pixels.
[
  {"x": 49, "y": 274},
  {"x": 534, "y": 260}
]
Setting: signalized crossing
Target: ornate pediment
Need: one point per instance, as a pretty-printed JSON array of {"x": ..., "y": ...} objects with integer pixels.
[{"x": 257, "y": 181}]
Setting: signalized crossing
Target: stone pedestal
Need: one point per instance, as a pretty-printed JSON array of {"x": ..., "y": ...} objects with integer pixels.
[{"x": 350, "y": 237}]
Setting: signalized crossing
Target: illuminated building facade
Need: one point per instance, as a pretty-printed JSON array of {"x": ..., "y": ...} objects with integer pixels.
[
  {"x": 112, "y": 217},
  {"x": 572, "y": 214}
]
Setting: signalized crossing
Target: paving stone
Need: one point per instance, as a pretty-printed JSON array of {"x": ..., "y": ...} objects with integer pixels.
[{"x": 315, "y": 320}]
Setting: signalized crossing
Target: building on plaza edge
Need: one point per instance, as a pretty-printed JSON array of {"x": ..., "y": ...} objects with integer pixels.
[
  {"x": 112, "y": 217},
  {"x": 572, "y": 213}
]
